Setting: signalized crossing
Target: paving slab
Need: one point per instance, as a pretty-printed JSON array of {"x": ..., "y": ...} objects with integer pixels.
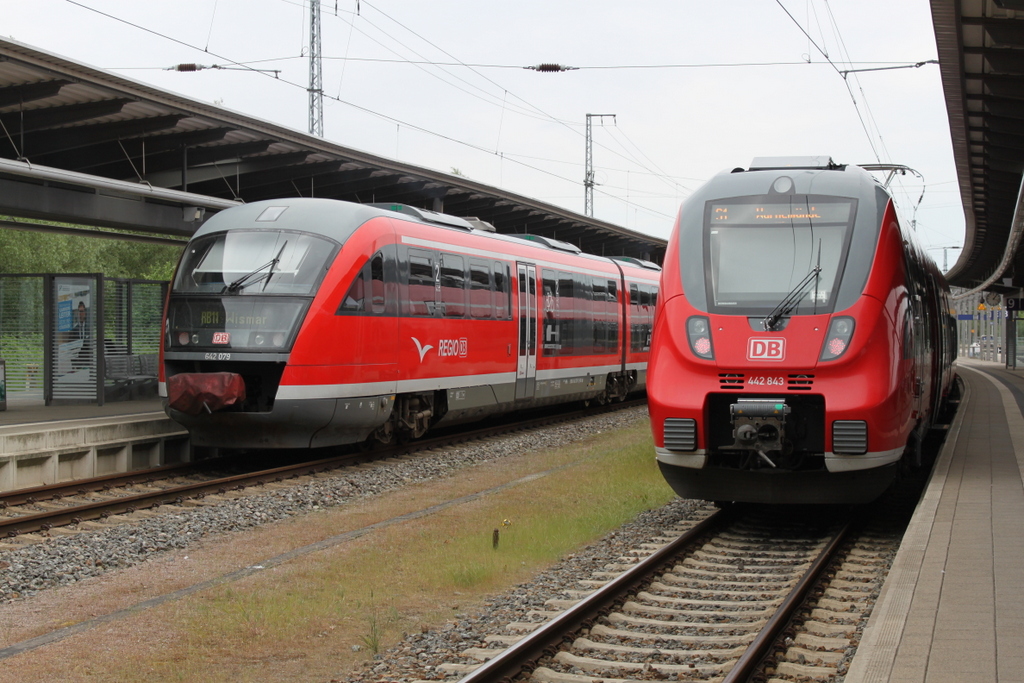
[{"x": 952, "y": 608}]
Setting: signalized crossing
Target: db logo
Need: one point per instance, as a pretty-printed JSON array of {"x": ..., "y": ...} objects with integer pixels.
[
  {"x": 766, "y": 349},
  {"x": 221, "y": 337}
]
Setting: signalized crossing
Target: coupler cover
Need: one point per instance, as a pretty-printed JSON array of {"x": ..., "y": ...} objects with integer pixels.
[{"x": 196, "y": 392}]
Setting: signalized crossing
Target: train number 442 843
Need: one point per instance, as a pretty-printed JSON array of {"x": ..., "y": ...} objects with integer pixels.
[{"x": 763, "y": 381}]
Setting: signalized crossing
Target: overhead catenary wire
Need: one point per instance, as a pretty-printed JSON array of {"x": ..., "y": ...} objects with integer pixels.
[
  {"x": 246, "y": 66},
  {"x": 838, "y": 71},
  {"x": 866, "y": 118},
  {"x": 618, "y": 147},
  {"x": 385, "y": 117},
  {"x": 494, "y": 83},
  {"x": 884, "y": 65},
  {"x": 504, "y": 104}
]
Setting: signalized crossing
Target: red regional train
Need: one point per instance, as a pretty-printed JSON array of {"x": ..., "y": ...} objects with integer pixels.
[
  {"x": 803, "y": 343},
  {"x": 298, "y": 323}
]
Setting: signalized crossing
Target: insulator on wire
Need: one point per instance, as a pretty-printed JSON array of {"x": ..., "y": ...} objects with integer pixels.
[
  {"x": 550, "y": 68},
  {"x": 187, "y": 67}
]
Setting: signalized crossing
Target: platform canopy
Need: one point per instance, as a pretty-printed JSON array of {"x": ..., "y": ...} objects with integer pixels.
[
  {"x": 84, "y": 146},
  {"x": 981, "y": 58}
]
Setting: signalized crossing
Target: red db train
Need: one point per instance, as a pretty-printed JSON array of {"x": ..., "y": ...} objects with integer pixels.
[
  {"x": 803, "y": 343},
  {"x": 299, "y": 323}
]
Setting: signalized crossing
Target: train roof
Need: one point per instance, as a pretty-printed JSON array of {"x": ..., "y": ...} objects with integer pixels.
[
  {"x": 338, "y": 220},
  {"x": 776, "y": 163},
  {"x": 806, "y": 175}
]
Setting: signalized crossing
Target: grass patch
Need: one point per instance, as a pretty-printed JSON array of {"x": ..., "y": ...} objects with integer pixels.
[{"x": 324, "y": 613}]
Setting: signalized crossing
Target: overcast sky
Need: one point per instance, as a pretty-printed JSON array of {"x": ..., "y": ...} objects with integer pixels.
[{"x": 696, "y": 87}]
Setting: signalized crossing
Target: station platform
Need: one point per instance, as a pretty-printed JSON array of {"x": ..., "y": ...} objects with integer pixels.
[
  {"x": 42, "y": 445},
  {"x": 952, "y": 607},
  {"x": 33, "y": 412}
]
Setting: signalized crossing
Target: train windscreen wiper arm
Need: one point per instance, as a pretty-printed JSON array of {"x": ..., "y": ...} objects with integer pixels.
[
  {"x": 273, "y": 264},
  {"x": 247, "y": 278},
  {"x": 791, "y": 300}
]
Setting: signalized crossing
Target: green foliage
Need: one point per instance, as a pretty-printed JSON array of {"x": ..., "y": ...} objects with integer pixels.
[{"x": 38, "y": 252}]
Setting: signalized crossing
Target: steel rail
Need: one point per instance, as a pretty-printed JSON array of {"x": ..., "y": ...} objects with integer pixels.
[
  {"x": 749, "y": 661},
  {"x": 546, "y": 639},
  {"x": 521, "y": 656},
  {"x": 44, "y": 521},
  {"x": 60, "y": 490}
]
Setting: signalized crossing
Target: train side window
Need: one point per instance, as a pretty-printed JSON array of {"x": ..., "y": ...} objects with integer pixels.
[
  {"x": 354, "y": 299},
  {"x": 480, "y": 286},
  {"x": 551, "y": 341},
  {"x": 599, "y": 288},
  {"x": 453, "y": 285},
  {"x": 567, "y": 308},
  {"x": 614, "y": 315},
  {"x": 377, "y": 298},
  {"x": 366, "y": 294},
  {"x": 502, "y": 291},
  {"x": 584, "y": 316},
  {"x": 648, "y": 295},
  {"x": 634, "y": 318},
  {"x": 522, "y": 310},
  {"x": 421, "y": 283},
  {"x": 908, "y": 333}
]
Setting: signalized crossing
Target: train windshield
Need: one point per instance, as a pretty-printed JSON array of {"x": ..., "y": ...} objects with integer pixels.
[
  {"x": 253, "y": 262},
  {"x": 758, "y": 250}
]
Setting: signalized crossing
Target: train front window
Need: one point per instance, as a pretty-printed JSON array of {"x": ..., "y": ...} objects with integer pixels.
[
  {"x": 248, "y": 262},
  {"x": 757, "y": 250}
]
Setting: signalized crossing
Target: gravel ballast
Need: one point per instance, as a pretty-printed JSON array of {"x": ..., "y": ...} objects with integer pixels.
[
  {"x": 62, "y": 560},
  {"x": 419, "y": 655}
]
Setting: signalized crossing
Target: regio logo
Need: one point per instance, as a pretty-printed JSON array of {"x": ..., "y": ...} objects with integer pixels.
[{"x": 453, "y": 347}]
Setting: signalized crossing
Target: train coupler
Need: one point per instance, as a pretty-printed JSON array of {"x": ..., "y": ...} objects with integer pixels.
[{"x": 759, "y": 424}]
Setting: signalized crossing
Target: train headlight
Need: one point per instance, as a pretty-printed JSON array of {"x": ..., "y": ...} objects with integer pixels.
[
  {"x": 838, "y": 338},
  {"x": 698, "y": 332},
  {"x": 183, "y": 338}
]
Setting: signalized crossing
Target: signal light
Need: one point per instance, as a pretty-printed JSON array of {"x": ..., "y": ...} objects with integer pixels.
[
  {"x": 698, "y": 333},
  {"x": 837, "y": 339},
  {"x": 836, "y": 346}
]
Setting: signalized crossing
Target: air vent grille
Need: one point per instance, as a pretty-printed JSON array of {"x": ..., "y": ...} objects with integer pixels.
[
  {"x": 800, "y": 382},
  {"x": 680, "y": 434},
  {"x": 850, "y": 437},
  {"x": 731, "y": 380}
]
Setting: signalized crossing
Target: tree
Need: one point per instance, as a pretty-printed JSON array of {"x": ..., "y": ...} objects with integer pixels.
[{"x": 37, "y": 252}]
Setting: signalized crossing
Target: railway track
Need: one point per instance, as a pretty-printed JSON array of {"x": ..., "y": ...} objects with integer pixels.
[
  {"x": 710, "y": 604},
  {"x": 41, "y": 509}
]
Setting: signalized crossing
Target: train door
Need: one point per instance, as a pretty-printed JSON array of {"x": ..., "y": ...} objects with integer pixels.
[{"x": 526, "y": 368}]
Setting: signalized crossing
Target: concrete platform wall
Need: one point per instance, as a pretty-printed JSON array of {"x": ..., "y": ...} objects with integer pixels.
[{"x": 47, "y": 453}]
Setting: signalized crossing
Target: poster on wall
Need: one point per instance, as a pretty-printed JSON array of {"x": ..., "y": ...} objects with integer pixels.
[{"x": 74, "y": 327}]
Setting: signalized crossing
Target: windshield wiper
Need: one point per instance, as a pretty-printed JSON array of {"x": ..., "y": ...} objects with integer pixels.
[
  {"x": 791, "y": 300},
  {"x": 246, "y": 279}
]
